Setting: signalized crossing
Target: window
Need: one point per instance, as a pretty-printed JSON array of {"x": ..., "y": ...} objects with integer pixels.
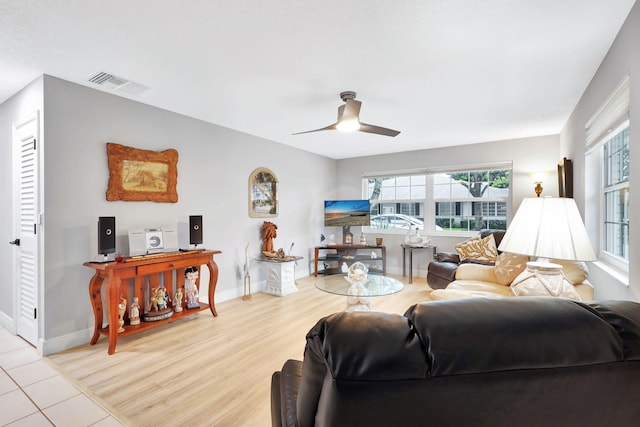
[
  {"x": 615, "y": 195},
  {"x": 440, "y": 200},
  {"x": 397, "y": 202},
  {"x": 607, "y": 187},
  {"x": 472, "y": 200}
]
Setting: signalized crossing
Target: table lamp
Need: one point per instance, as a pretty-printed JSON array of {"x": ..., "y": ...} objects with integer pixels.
[{"x": 547, "y": 227}]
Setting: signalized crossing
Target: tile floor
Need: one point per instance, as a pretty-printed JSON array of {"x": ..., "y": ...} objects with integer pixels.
[{"x": 33, "y": 393}]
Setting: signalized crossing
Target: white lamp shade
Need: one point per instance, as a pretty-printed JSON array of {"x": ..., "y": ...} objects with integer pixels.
[{"x": 548, "y": 227}]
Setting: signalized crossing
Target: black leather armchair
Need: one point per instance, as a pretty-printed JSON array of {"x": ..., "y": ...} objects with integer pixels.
[{"x": 442, "y": 270}]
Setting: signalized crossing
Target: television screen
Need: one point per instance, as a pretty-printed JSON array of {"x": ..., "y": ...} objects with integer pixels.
[{"x": 340, "y": 213}]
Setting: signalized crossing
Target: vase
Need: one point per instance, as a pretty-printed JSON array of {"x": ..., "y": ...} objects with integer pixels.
[{"x": 413, "y": 238}]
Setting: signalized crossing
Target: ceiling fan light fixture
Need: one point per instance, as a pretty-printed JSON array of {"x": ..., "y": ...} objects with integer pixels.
[
  {"x": 348, "y": 125},
  {"x": 349, "y": 119}
]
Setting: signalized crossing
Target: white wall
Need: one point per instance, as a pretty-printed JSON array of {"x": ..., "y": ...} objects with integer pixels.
[
  {"x": 622, "y": 58},
  {"x": 213, "y": 171},
  {"x": 528, "y": 155}
]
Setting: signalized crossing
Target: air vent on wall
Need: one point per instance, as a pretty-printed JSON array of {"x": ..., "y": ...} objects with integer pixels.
[{"x": 117, "y": 84}]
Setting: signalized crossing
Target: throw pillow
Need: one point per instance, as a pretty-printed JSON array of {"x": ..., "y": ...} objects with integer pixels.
[
  {"x": 508, "y": 266},
  {"x": 477, "y": 248}
]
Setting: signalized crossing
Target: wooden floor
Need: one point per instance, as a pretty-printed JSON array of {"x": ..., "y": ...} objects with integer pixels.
[{"x": 206, "y": 371}]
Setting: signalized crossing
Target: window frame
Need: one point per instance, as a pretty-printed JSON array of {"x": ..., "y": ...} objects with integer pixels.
[
  {"x": 611, "y": 118},
  {"x": 618, "y": 263},
  {"x": 430, "y": 202}
]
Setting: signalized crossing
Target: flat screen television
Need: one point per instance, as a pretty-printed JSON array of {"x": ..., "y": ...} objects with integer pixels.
[{"x": 344, "y": 213}]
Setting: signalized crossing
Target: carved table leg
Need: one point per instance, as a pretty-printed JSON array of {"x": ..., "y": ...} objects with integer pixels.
[
  {"x": 113, "y": 297},
  {"x": 213, "y": 281},
  {"x": 95, "y": 293}
]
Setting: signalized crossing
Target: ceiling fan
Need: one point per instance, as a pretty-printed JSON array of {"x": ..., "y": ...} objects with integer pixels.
[{"x": 349, "y": 120}]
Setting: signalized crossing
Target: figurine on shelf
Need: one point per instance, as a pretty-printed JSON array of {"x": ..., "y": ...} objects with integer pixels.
[
  {"x": 163, "y": 299},
  {"x": 122, "y": 308},
  {"x": 177, "y": 300},
  {"x": 191, "y": 288},
  {"x": 157, "y": 306},
  {"x": 134, "y": 312},
  {"x": 152, "y": 305}
]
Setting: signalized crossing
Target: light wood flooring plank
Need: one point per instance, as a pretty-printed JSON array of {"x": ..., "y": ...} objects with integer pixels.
[{"x": 206, "y": 371}]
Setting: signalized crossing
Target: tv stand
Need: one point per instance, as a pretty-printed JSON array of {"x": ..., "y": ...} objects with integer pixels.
[{"x": 333, "y": 256}]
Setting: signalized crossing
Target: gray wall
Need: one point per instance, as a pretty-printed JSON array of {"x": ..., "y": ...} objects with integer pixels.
[
  {"x": 528, "y": 155},
  {"x": 213, "y": 172},
  {"x": 622, "y": 58}
]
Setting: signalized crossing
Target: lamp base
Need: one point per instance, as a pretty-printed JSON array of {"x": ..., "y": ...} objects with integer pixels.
[
  {"x": 543, "y": 278},
  {"x": 543, "y": 266}
]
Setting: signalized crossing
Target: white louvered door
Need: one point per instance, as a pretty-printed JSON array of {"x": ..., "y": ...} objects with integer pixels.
[{"x": 25, "y": 140}]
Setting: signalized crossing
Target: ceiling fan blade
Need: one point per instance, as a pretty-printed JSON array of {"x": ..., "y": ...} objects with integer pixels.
[
  {"x": 378, "y": 130},
  {"x": 330, "y": 127},
  {"x": 350, "y": 110}
]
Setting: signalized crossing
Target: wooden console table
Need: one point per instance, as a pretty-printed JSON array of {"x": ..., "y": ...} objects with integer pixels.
[{"x": 133, "y": 278}]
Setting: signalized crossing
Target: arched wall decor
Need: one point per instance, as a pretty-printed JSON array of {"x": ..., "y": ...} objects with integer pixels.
[{"x": 263, "y": 192}]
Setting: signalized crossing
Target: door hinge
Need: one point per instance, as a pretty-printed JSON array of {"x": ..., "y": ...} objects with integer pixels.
[
  {"x": 35, "y": 313},
  {"x": 34, "y": 229},
  {"x": 34, "y": 143}
]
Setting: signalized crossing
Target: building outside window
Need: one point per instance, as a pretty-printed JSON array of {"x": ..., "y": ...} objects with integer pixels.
[
  {"x": 472, "y": 200},
  {"x": 397, "y": 202}
]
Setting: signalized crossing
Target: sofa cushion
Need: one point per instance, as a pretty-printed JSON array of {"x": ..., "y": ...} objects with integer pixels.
[
  {"x": 484, "y": 273},
  {"x": 487, "y": 335},
  {"x": 508, "y": 266},
  {"x": 357, "y": 345},
  {"x": 470, "y": 289},
  {"x": 480, "y": 288},
  {"x": 483, "y": 249}
]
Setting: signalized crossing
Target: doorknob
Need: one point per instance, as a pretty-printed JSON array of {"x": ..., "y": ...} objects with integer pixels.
[{"x": 15, "y": 242}]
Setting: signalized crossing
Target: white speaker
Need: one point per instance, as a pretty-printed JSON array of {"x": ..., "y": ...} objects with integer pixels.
[
  {"x": 137, "y": 242},
  {"x": 170, "y": 236}
]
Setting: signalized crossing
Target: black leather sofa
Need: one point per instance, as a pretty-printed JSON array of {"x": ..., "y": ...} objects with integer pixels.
[
  {"x": 531, "y": 361},
  {"x": 442, "y": 269}
]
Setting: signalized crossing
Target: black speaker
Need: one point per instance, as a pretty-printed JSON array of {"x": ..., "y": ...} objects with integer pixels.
[
  {"x": 195, "y": 229},
  {"x": 106, "y": 235}
]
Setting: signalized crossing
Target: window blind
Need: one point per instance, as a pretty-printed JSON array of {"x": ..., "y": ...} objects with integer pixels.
[{"x": 611, "y": 114}]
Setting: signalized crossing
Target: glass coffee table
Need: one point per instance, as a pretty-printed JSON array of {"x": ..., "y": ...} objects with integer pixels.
[{"x": 359, "y": 293}]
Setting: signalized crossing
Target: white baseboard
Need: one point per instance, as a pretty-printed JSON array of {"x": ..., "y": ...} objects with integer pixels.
[
  {"x": 65, "y": 342},
  {"x": 7, "y": 323}
]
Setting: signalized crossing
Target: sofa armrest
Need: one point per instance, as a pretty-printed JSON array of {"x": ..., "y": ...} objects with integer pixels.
[
  {"x": 440, "y": 274},
  {"x": 447, "y": 257},
  {"x": 284, "y": 394}
]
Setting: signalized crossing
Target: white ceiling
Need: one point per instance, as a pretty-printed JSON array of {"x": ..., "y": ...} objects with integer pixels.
[{"x": 444, "y": 72}]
